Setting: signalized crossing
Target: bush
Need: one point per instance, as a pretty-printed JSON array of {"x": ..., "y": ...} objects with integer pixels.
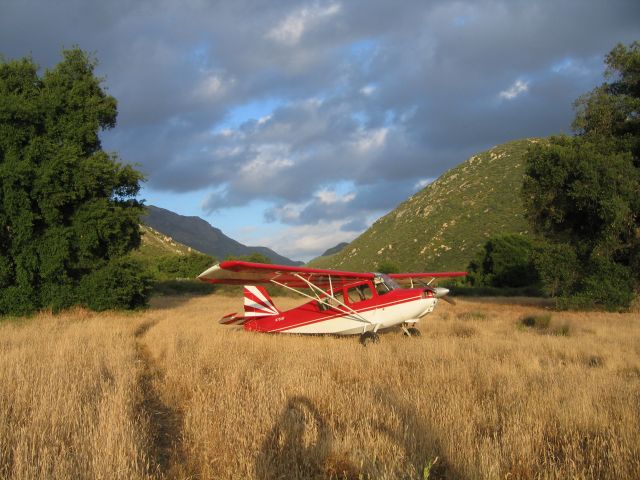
[
  {"x": 539, "y": 322},
  {"x": 184, "y": 266},
  {"x": 504, "y": 261},
  {"x": 387, "y": 267},
  {"x": 544, "y": 324},
  {"x": 121, "y": 284},
  {"x": 607, "y": 284},
  {"x": 532, "y": 291},
  {"x": 558, "y": 267}
]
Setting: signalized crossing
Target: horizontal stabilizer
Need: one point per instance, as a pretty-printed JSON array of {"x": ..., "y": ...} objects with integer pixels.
[{"x": 232, "y": 319}]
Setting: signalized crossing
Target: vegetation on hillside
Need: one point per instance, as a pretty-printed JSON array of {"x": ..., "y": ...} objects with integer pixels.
[
  {"x": 171, "y": 266},
  {"x": 254, "y": 257},
  {"x": 68, "y": 212},
  {"x": 444, "y": 225},
  {"x": 582, "y": 193}
]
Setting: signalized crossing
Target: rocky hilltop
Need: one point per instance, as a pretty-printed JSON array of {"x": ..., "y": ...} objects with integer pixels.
[{"x": 442, "y": 226}]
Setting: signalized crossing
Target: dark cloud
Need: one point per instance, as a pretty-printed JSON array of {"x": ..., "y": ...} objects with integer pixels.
[{"x": 371, "y": 92}]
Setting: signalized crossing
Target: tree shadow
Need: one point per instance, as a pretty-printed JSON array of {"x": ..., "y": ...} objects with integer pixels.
[
  {"x": 422, "y": 448},
  {"x": 169, "y": 302},
  {"x": 298, "y": 445}
]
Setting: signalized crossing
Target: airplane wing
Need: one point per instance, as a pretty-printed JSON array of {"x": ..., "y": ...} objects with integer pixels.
[
  {"x": 409, "y": 278},
  {"x": 248, "y": 273}
]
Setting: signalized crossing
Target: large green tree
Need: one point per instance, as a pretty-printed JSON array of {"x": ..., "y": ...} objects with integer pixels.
[
  {"x": 582, "y": 193},
  {"x": 67, "y": 208}
]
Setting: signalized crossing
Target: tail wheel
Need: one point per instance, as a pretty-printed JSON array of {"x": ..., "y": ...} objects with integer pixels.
[{"x": 369, "y": 337}]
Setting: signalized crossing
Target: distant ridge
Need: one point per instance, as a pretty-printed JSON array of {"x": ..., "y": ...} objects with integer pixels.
[
  {"x": 198, "y": 234},
  {"x": 334, "y": 250},
  {"x": 443, "y": 226}
]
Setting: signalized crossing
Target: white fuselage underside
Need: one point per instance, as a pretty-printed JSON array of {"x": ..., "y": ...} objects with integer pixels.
[{"x": 384, "y": 316}]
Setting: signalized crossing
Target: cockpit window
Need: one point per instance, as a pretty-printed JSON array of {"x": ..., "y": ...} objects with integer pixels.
[
  {"x": 331, "y": 302},
  {"x": 384, "y": 283},
  {"x": 359, "y": 293},
  {"x": 381, "y": 288}
]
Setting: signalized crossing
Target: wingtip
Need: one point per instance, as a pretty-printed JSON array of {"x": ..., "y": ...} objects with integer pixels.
[{"x": 207, "y": 274}]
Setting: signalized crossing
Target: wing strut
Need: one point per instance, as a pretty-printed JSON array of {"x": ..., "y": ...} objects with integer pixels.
[{"x": 347, "y": 310}]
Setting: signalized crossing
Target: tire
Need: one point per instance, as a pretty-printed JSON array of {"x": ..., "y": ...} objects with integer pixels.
[{"x": 369, "y": 337}]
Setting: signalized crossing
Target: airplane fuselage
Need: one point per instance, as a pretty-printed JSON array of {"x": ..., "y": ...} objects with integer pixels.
[{"x": 359, "y": 308}]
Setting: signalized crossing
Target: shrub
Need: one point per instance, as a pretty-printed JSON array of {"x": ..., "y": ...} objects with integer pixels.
[
  {"x": 387, "y": 267},
  {"x": 504, "y": 261},
  {"x": 184, "y": 266},
  {"x": 544, "y": 324},
  {"x": 539, "y": 322},
  {"x": 120, "y": 284},
  {"x": 607, "y": 284}
]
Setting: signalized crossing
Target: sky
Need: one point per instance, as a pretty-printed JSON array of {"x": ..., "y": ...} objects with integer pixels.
[{"x": 296, "y": 124}]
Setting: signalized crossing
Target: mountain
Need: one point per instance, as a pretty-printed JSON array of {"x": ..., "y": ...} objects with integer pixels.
[
  {"x": 333, "y": 250},
  {"x": 196, "y": 233},
  {"x": 445, "y": 224}
]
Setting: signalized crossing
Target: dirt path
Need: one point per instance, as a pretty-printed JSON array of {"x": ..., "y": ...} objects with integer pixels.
[{"x": 164, "y": 422}]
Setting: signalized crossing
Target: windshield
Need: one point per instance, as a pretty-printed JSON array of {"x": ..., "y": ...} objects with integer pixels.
[{"x": 382, "y": 280}]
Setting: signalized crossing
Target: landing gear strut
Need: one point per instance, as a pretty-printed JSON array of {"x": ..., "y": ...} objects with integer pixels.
[
  {"x": 369, "y": 337},
  {"x": 411, "y": 331}
]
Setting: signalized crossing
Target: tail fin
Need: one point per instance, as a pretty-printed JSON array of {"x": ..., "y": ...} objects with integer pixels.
[{"x": 257, "y": 303}]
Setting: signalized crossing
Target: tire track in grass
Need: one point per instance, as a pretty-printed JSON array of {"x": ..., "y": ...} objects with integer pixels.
[{"x": 164, "y": 422}]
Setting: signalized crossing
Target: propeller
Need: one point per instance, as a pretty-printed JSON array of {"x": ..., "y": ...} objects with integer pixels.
[{"x": 441, "y": 293}]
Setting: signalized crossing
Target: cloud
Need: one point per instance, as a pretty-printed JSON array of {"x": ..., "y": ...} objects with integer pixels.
[
  {"x": 519, "y": 87},
  {"x": 285, "y": 103},
  {"x": 308, "y": 241},
  {"x": 291, "y": 29},
  {"x": 423, "y": 182}
]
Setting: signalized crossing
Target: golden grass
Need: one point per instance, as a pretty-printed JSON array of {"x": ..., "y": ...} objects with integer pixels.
[{"x": 169, "y": 393}]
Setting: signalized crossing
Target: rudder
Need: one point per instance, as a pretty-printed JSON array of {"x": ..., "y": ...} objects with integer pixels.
[{"x": 258, "y": 303}]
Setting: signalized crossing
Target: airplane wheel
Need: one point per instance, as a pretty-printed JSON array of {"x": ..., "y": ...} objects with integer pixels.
[
  {"x": 413, "y": 332},
  {"x": 369, "y": 337}
]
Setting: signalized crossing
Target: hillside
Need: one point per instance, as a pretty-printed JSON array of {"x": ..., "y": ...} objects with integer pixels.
[
  {"x": 442, "y": 226},
  {"x": 196, "y": 233},
  {"x": 155, "y": 245},
  {"x": 334, "y": 250}
]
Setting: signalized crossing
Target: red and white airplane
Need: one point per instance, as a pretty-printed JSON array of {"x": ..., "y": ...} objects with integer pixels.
[{"x": 341, "y": 303}]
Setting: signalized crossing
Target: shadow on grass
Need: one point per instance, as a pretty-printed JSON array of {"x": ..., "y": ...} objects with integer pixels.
[
  {"x": 300, "y": 444},
  {"x": 167, "y": 294},
  {"x": 416, "y": 437}
]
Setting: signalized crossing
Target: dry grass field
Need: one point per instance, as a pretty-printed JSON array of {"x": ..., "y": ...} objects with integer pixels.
[{"x": 169, "y": 393}]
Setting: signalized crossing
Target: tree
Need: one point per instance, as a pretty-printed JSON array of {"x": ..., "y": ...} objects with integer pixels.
[
  {"x": 582, "y": 193},
  {"x": 557, "y": 265},
  {"x": 504, "y": 261},
  {"x": 67, "y": 208},
  {"x": 184, "y": 266}
]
